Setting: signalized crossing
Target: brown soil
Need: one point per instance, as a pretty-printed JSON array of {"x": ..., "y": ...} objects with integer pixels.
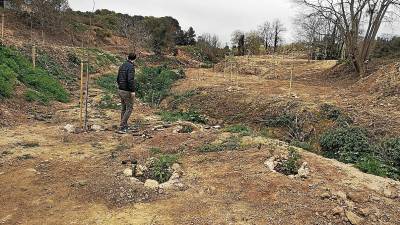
[{"x": 51, "y": 177}]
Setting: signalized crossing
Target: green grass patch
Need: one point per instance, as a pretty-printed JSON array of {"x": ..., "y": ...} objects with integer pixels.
[
  {"x": 37, "y": 79},
  {"x": 173, "y": 116},
  {"x": 7, "y": 81},
  {"x": 108, "y": 83},
  {"x": 239, "y": 129},
  {"x": 107, "y": 102},
  {"x": 232, "y": 143},
  {"x": 372, "y": 165}
]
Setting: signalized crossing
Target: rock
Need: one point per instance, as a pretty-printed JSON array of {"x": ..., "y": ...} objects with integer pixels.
[
  {"x": 134, "y": 180},
  {"x": 303, "y": 171},
  {"x": 358, "y": 197},
  {"x": 177, "y": 130},
  {"x": 174, "y": 176},
  {"x": 325, "y": 195},
  {"x": 140, "y": 170},
  {"x": 365, "y": 211},
  {"x": 151, "y": 184},
  {"x": 337, "y": 211},
  {"x": 350, "y": 205},
  {"x": 128, "y": 172},
  {"x": 216, "y": 127},
  {"x": 389, "y": 192},
  {"x": 353, "y": 218},
  {"x": 176, "y": 167},
  {"x": 69, "y": 128},
  {"x": 96, "y": 128},
  {"x": 340, "y": 195},
  {"x": 271, "y": 163}
]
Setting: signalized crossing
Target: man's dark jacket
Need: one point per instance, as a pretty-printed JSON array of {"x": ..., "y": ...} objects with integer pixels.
[{"x": 126, "y": 77}]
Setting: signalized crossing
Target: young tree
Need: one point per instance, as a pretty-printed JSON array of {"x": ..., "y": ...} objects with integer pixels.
[
  {"x": 253, "y": 42},
  {"x": 237, "y": 39},
  {"x": 278, "y": 28},
  {"x": 190, "y": 36},
  {"x": 358, "y": 23},
  {"x": 267, "y": 34}
]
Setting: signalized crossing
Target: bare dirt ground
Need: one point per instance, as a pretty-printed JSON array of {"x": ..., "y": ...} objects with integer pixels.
[{"x": 49, "y": 176}]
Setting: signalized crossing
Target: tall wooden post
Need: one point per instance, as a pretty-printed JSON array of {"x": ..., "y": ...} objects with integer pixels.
[
  {"x": 291, "y": 80},
  {"x": 2, "y": 27},
  {"x": 81, "y": 98},
  {"x": 87, "y": 96},
  {"x": 34, "y": 55}
]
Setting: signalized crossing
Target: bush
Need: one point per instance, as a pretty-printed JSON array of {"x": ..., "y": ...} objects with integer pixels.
[
  {"x": 153, "y": 84},
  {"x": 34, "y": 96},
  {"x": 239, "y": 129},
  {"x": 107, "y": 102},
  {"x": 390, "y": 152},
  {"x": 334, "y": 113},
  {"x": 371, "y": 165},
  {"x": 291, "y": 165},
  {"x": 45, "y": 86},
  {"x": 346, "y": 144},
  {"x": 160, "y": 170},
  {"x": 7, "y": 81},
  {"x": 108, "y": 83},
  {"x": 304, "y": 145}
]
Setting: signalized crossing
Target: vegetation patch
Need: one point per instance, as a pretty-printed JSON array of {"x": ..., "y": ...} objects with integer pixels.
[
  {"x": 239, "y": 129},
  {"x": 232, "y": 143},
  {"x": 173, "y": 116},
  {"x": 291, "y": 165},
  {"x": 45, "y": 85},
  {"x": 154, "y": 83},
  {"x": 160, "y": 168},
  {"x": 108, "y": 83}
]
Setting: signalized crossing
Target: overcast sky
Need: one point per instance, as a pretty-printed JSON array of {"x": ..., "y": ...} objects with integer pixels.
[{"x": 220, "y": 17}]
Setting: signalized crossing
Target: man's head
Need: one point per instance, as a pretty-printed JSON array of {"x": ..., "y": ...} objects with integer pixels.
[{"x": 131, "y": 56}]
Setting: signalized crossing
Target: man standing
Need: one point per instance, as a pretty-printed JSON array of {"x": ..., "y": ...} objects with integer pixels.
[{"x": 126, "y": 90}]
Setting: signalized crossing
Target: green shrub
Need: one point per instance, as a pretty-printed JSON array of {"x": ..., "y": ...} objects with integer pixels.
[
  {"x": 239, "y": 129},
  {"x": 108, "y": 83},
  {"x": 390, "y": 152},
  {"x": 334, "y": 113},
  {"x": 161, "y": 168},
  {"x": 173, "y": 116},
  {"x": 291, "y": 165},
  {"x": 153, "y": 84},
  {"x": 34, "y": 96},
  {"x": 283, "y": 120},
  {"x": 107, "y": 102},
  {"x": 304, "y": 145},
  {"x": 155, "y": 151},
  {"x": 7, "y": 81},
  {"x": 371, "y": 165},
  {"x": 45, "y": 85},
  {"x": 210, "y": 148},
  {"x": 346, "y": 144},
  {"x": 42, "y": 82},
  {"x": 186, "y": 129}
]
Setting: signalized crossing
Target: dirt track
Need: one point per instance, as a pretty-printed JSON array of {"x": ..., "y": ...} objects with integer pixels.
[{"x": 51, "y": 177}]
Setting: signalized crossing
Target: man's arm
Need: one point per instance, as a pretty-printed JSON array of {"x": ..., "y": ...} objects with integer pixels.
[{"x": 131, "y": 79}]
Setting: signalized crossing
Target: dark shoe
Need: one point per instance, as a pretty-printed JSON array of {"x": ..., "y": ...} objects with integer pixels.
[{"x": 122, "y": 131}]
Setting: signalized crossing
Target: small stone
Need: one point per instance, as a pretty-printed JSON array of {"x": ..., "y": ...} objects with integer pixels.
[
  {"x": 140, "y": 170},
  {"x": 31, "y": 170},
  {"x": 151, "y": 184},
  {"x": 176, "y": 167},
  {"x": 357, "y": 197},
  {"x": 97, "y": 128},
  {"x": 271, "y": 164},
  {"x": 69, "y": 128},
  {"x": 303, "y": 171},
  {"x": 337, "y": 211},
  {"x": 389, "y": 193},
  {"x": 134, "y": 180},
  {"x": 340, "y": 194},
  {"x": 350, "y": 205},
  {"x": 365, "y": 212},
  {"x": 174, "y": 176},
  {"x": 325, "y": 195},
  {"x": 353, "y": 218},
  {"x": 128, "y": 172}
]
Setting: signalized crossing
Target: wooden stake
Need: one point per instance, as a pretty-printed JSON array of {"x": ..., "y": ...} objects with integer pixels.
[
  {"x": 2, "y": 27},
  {"x": 34, "y": 55},
  {"x": 81, "y": 99},
  {"x": 291, "y": 80},
  {"x": 87, "y": 97}
]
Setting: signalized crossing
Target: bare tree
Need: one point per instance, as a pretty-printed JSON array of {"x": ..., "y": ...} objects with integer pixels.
[
  {"x": 278, "y": 28},
  {"x": 136, "y": 33},
  {"x": 358, "y": 22},
  {"x": 267, "y": 34}
]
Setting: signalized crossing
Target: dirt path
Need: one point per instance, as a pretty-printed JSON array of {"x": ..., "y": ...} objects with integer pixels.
[{"x": 49, "y": 176}]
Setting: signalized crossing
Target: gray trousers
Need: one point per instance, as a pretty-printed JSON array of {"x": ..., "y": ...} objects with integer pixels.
[{"x": 127, "y": 107}]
